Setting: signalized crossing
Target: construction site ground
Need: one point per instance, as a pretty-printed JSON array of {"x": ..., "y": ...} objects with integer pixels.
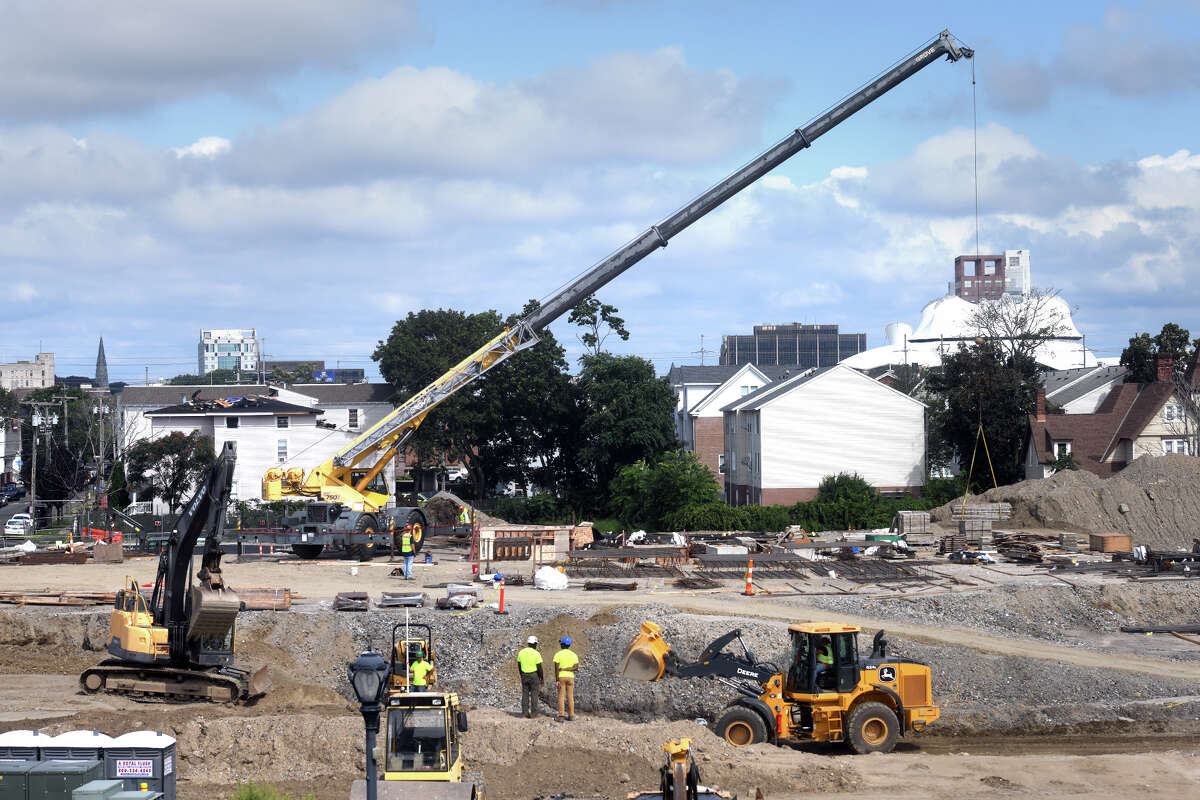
[{"x": 1041, "y": 694}]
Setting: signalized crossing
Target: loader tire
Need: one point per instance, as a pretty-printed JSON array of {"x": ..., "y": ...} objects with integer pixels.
[
  {"x": 741, "y": 726},
  {"x": 872, "y": 728},
  {"x": 363, "y": 550},
  {"x": 307, "y": 552}
]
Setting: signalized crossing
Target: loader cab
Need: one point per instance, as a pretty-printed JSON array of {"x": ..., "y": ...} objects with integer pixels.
[
  {"x": 409, "y": 642},
  {"x": 804, "y": 677},
  {"x": 424, "y": 737}
]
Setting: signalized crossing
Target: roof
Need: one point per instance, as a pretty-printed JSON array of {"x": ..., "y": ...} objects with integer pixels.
[
  {"x": 347, "y": 392},
  {"x": 719, "y": 373},
  {"x": 755, "y": 400},
  {"x": 711, "y": 396},
  {"x": 1124, "y": 414},
  {"x": 159, "y": 395},
  {"x": 824, "y": 627},
  {"x": 1067, "y": 385},
  {"x": 231, "y": 406}
]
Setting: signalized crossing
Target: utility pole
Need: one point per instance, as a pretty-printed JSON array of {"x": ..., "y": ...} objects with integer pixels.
[
  {"x": 36, "y": 419},
  {"x": 702, "y": 351}
]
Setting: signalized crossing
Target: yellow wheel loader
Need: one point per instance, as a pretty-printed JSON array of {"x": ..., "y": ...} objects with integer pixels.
[
  {"x": 679, "y": 779},
  {"x": 825, "y": 692}
]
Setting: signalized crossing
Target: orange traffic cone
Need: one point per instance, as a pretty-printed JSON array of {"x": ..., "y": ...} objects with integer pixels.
[{"x": 750, "y": 579}]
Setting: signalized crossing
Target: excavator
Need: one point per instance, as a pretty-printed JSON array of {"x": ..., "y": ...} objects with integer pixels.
[
  {"x": 179, "y": 644},
  {"x": 825, "y": 693},
  {"x": 348, "y": 492}
]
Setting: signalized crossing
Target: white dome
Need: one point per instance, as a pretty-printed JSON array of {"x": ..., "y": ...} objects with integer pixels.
[
  {"x": 79, "y": 739},
  {"x": 143, "y": 739},
  {"x": 896, "y": 333},
  {"x": 23, "y": 739}
]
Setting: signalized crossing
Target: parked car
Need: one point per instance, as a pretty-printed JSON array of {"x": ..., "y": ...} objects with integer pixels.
[
  {"x": 10, "y": 492},
  {"x": 16, "y": 527}
]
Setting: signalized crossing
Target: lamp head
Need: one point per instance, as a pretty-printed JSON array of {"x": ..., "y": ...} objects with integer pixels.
[{"x": 368, "y": 677}]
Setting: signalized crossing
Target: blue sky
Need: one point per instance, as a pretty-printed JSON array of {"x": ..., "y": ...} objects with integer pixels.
[{"x": 318, "y": 170}]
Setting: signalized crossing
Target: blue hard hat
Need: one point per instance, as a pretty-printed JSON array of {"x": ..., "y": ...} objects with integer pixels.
[{"x": 565, "y": 640}]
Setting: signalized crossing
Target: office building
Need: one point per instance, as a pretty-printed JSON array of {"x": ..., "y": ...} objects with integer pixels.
[
  {"x": 794, "y": 345},
  {"x": 228, "y": 349}
]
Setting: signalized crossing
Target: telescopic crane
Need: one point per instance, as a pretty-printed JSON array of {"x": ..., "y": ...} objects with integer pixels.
[{"x": 351, "y": 483}]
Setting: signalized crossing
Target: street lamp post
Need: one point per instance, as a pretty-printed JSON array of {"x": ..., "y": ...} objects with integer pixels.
[{"x": 368, "y": 676}]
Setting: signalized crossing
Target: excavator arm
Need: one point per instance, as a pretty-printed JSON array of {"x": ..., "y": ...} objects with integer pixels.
[
  {"x": 333, "y": 480},
  {"x": 650, "y": 658}
]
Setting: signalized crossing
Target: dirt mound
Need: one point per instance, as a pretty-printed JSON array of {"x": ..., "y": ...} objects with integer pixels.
[
  {"x": 1156, "y": 500},
  {"x": 443, "y": 509}
]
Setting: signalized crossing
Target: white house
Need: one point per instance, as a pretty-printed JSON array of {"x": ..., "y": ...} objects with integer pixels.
[
  {"x": 299, "y": 426},
  {"x": 782, "y": 440}
]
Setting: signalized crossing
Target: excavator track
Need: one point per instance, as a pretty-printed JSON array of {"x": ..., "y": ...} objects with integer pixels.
[{"x": 170, "y": 683}]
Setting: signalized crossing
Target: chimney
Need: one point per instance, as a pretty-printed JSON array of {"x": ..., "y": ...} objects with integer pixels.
[
  {"x": 1166, "y": 368},
  {"x": 1041, "y": 404}
]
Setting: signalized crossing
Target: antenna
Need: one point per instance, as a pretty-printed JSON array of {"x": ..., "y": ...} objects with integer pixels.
[{"x": 702, "y": 350}]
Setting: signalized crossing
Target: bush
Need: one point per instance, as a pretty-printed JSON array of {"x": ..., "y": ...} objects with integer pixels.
[
  {"x": 939, "y": 491},
  {"x": 710, "y": 516},
  {"x": 541, "y": 508},
  {"x": 644, "y": 494},
  {"x": 762, "y": 518},
  {"x": 262, "y": 791}
]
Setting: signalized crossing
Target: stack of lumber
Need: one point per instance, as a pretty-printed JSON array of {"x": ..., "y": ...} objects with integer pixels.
[
  {"x": 48, "y": 597},
  {"x": 266, "y": 598}
]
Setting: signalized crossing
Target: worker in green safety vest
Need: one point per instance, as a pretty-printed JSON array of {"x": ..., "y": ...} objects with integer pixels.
[
  {"x": 407, "y": 551},
  {"x": 422, "y": 672},
  {"x": 529, "y": 668},
  {"x": 824, "y": 660}
]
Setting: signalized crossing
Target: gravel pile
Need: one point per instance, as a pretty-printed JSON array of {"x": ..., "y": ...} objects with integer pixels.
[
  {"x": 1160, "y": 497},
  {"x": 1056, "y": 613}
]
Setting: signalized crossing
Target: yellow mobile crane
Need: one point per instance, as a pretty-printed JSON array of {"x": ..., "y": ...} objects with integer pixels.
[{"x": 349, "y": 491}]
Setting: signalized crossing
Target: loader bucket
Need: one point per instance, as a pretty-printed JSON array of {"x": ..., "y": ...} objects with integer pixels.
[
  {"x": 259, "y": 682},
  {"x": 645, "y": 660}
]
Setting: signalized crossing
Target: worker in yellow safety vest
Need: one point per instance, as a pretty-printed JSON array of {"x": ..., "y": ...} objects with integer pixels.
[
  {"x": 565, "y": 662},
  {"x": 407, "y": 551},
  {"x": 422, "y": 672},
  {"x": 464, "y": 516},
  {"x": 824, "y": 659},
  {"x": 529, "y": 668}
]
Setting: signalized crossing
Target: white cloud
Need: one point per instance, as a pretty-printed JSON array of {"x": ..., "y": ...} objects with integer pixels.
[
  {"x": 25, "y": 291},
  {"x": 204, "y": 147}
]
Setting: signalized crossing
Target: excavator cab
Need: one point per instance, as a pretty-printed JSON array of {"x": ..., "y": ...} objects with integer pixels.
[
  {"x": 823, "y": 658},
  {"x": 417, "y": 641}
]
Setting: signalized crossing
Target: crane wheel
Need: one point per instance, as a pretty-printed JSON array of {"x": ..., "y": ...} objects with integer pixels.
[
  {"x": 741, "y": 726},
  {"x": 872, "y": 728},
  {"x": 307, "y": 552},
  {"x": 364, "y": 526}
]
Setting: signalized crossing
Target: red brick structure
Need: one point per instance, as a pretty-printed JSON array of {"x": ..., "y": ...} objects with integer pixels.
[{"x": 709, "y": 443}]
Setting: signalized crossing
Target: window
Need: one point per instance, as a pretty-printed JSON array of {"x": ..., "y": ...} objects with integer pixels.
[
  {"x": 1178, "y": 446},
  {"x": 282, "y": 422},
  {"x": 753, "y": 388},
  {"x": 353, "y": 422},
  {"x": 281, "y": 449},
  {"x": 228, "y": 348},
  {"x": 231, "y": 422},
  {"x": 720, "y": 463},
  {"x": 1062, "y": 449},
  {"x": 745, "y": 391},
  {"x": 1014, "y": 261},
  {"x": 1172, "y": 412},
  {"x": 989, "y": 268},
  {"x": 967, "y": 284}
]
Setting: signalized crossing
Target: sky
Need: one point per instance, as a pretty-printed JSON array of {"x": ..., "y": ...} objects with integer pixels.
[{"x": 318, "y": 170}]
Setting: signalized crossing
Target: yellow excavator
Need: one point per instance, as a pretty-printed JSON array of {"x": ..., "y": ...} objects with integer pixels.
[
  {"x": 179, "y": 643},
  {"x": 825, "y": 692}
]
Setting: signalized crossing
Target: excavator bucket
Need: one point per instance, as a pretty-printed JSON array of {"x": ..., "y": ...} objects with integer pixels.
[
  {"x": 645, "y": 659},
  {"x": 213, "y": 612},
  {"x": 258, "y": 684}
]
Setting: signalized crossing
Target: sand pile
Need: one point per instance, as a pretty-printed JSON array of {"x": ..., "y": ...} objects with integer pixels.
[
  {"x": 442, "y": 509},
  {"x": 1156, "y": 500}
]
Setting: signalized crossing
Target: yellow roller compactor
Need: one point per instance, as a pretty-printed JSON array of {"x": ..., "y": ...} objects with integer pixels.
[{"x": 824, "y": 693}]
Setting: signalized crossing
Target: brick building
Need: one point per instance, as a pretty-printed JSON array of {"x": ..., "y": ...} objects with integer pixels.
[{"x": 991, "y": 277}]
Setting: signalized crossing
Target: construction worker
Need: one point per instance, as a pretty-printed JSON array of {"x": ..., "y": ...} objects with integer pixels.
[
  {"x": 565, "y": 662},
  {"x": 407, "y": 551},
  {"x": 464, "y": 516},
  {"x": 421, "y": 672},
  {"x": 529, "y": 668},
  {"x": 824, "y": 659}
]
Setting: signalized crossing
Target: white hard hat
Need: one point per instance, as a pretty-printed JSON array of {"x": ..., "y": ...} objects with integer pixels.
[{"x": 531, "y": 640}]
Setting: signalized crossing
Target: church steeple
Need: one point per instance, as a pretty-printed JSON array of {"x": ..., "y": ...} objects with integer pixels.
[{"x": 101, "y": 368}]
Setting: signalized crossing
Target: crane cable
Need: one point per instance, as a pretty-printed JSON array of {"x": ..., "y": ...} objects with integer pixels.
[
  {"x": 975, "y": 148},
  {"x": 971, "y": 471}
]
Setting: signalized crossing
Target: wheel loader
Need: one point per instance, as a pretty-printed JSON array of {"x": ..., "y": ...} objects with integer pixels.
[{"x": 824, "y": 693}]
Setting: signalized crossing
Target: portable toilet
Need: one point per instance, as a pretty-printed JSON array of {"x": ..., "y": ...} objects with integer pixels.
[
  {"x": 143, "y": 757},
  {"x": 98, "y": 790},
  {"x": 22, "y": 744},
  {"x": 14, "y": 778},
  {"x": 138, "y": 795},
  {"x": 76, "y": 745},
  {"x": 57, "y": 778}
]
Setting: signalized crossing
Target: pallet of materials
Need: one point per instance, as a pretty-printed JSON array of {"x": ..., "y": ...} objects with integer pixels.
[
  {"x": 265, "y": 599},
  {"x": 906, "y": 522},
  {"x": 992, "y": 511},
  {"x": 351, "y": 601},
  {"x": 1110, "y": 542},
  {"x": 974, "y": 527},
  {"x": 949, "y": 544}
]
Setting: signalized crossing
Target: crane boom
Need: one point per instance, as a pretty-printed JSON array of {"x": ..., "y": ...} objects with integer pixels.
[{"x": 390, "y": 433}]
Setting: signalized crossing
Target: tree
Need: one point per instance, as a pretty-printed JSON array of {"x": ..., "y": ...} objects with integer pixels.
[
  {"x": 982, "y": 384},
  {"x": 1020, "y": 326},
  {"x": 67, "y": 440},
  {"x": 171, "y": 465},
  {"x": 1141, "y": 356},
  {"x": 594, "y": 317},
  {"x": 649, "y": 494},
  {"x": 1065, "y": 460},
  {"x": 628, "y": 416},
  {"x": 302, "y": 373},
  {"x": 118, "y": 488},
  {"x": 218, "y": 377}
]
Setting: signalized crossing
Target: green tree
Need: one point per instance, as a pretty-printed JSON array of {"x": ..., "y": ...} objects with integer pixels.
[
  {"x": 67, "y": 440},
  {"x": 171, "y": 465},
  {"x": 218, "y": 377},
  {"x": 1141, "y": 356},
  {"x": 302, "y": 373},
  {"x": 649, "y": 494},
  {"x": 595, "y": 317},
  {"x": 1065, "y": 460},
  {"x": 9, "y": 406},
  {"x": 628, "y": 416},
  {"x": 118, "y": 488},
  {"x": 978, "y": 385}
]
